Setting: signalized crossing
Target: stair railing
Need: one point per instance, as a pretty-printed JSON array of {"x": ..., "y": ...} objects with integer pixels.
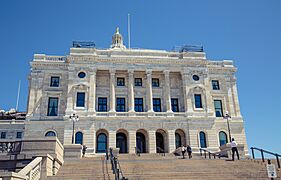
[
  {"x": 210, "y": 154},
  {"x": 115, "y": 165},
  {"x": 137, "y": 151},
  {"x": 160, "y": 151},
  {"x": 265, "y": 151}
]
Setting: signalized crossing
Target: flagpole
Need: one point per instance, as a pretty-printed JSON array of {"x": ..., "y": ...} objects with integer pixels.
[
  {"x": 18, "y": 95},
  {"x": 129, "y": 32}
]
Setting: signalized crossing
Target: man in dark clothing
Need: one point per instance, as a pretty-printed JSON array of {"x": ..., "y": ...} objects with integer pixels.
[
  {"x": 84, "y": 150},
  {"x": 189, "y": 151}
]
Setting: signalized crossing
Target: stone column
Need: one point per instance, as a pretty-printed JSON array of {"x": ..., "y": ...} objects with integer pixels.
[
  {"x": 31, "y": 95},
  {"x": 152, "y": 141},
  {"x": 112, "y": 91},
  {"x": 209, "y": 100},
  {"x": 132, "y": 142},
  {"x": 112, "y": 139},
  {"x": 149, "y": 91},
  {"x": 168, "y": 91},
  {"x": 131, "y": 91},
  {"x": 172, "y": 140},
  {"x": 92, "y": 94},
  {"x": 187, "y": 100}
]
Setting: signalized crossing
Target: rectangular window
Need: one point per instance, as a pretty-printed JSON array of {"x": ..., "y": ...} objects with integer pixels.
[
  {"x": 138, "y": 81},
  {"x": 53, "y": 106},
  {"x": 215, "y": 85},
  {"x": 198, "y": 101},
  {"x": 218, "y": 108},
  {"x": 175, "y": 105},
  {"x": 120, "y": 105},
  {"x": 155, "y": 82},
  {"x": 3, "y": 135},
  {"x": 120, "y": 81},
  {"x": 19, "y": 135},
  {"x": 156, "y": 104},
  {"x": 55, "y": 81},
  {"x": 102, "y": 104},
  {"x": 80, "y": 99},
  {"x": 139, "y": 104}
]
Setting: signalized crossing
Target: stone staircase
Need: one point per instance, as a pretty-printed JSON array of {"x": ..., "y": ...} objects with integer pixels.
[
  {"x": 154, "y": 166},
  {"x": 86, "y": 168}
]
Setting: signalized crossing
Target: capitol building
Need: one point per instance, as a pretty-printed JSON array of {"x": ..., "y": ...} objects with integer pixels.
[{"x": 138, "y": 100}]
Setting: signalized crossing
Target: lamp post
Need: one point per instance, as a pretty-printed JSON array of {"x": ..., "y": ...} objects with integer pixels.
[
  {"x": 227, "y": 117},
  {"x": 74, "y": 118}
]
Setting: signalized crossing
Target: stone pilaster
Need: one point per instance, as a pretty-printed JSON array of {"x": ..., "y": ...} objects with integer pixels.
[
  {"x": 112, "y": 91},
  {"x": 112, "y": 139},
  {"x": 149, "y": 91},
  {"x": 168, "y": 91},
  {"x": 132, "y": 142},
  {"x": 131, "y": 91},
  {"x": 172, "y": 141},
  {"x": 236, "y": 101},
  {"x": 92, "y": 94},
  {"x": 152, "y": 141}
]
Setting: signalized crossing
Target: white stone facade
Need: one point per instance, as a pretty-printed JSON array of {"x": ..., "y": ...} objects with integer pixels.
[{"x": 102, "y": 67}]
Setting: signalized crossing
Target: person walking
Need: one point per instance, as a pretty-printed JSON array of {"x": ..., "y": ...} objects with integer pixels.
[
  {"x": 189, "y": 151},
  {"x": 234, "y": 149},
  {"x": 183, "y": 151}
]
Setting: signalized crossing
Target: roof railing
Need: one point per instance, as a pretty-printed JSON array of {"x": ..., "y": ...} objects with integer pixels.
[{"x": 262, "y": 151}]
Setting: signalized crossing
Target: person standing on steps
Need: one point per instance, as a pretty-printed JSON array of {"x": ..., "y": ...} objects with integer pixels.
[
  {"x": 234, "y": 149},
  {"x": 84, "y": 150},
  {"x": 189, "y": 151},
  {"x": 183, "y": 151}
]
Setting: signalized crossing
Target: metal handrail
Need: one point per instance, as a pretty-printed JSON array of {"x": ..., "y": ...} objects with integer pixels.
[
  {"x": 116, "y": 168},
  {"x": 160, "y": 151},
  {"x": 268, "y": 152},
  {"x": 209, "y": 153}
]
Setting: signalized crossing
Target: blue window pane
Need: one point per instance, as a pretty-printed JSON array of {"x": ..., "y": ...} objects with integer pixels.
[
  {"x": 50, "y": 133},
  {"x": 222, "y": 138},
  {"x": 101, "y": 143},
  {"x": 82, "y": 75},
  {"x": 138, "y": 104},
  {"x": 80, "y": 102},
  {"x": 102, "y": 104},
  {"x": 203, "y": 143},
  {"x": 195, "y": 77},
  {"x": 138, "y": 82},
  {"x": 218, "y": 108},
  {"x": 156, "y": 105},
  {"x": 215, "y": 85},
  {"x": 198, "y": 101},
  {"x": 79, "y": 138},
  {"x": 55, "y": 81},
  {"x": 53, "y": 106},
  {"x": 120, "y": 105},
  {"x": 3, "y": 135},
  {"x": 155, "y": 82},
  {"x": 175, "y": 105}
]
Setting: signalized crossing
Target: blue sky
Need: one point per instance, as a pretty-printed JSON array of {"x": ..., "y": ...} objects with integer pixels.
[{"x": 246, "y": 31}]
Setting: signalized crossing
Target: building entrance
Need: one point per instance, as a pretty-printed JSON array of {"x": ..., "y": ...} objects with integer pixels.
[
  {"x": 121, "y": 142},
  {"x": 159, "y": 143},
  {"x": 141, "y": 146}
]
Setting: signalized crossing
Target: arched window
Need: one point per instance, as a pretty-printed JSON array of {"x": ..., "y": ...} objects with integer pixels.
[
  {"x": 79, "y": 138},
  {"x": 178, "y": 140},
  {"x": 101, "y": 143},
  {"x": 50, "y": 133},
  {"x": 222, "y": 138},
  {"x": 202, "y": 136}
]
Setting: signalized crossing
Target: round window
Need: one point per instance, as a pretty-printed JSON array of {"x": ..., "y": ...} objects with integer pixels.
[
  {"x": 195, "y": 77},
  {"x": 81, "y": 75}
]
